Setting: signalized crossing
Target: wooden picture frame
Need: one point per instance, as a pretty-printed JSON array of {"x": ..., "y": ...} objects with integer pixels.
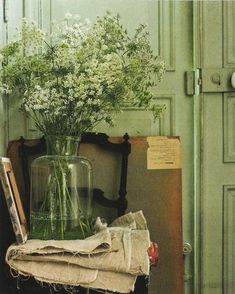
[{"x": 13, "y": 200}]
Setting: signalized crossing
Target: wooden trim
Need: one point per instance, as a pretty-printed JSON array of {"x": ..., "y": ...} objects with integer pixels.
[{"x": 13, "y": 200}]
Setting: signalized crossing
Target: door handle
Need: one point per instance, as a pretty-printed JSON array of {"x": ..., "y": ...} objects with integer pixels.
[{"x": 233, "y": 80}]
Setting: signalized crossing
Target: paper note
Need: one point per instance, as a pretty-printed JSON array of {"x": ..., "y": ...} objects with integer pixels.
[{"x": 163, "y": 153}]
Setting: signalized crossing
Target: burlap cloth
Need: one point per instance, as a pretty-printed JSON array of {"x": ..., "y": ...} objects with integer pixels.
[{"x": 109, "y": 260}]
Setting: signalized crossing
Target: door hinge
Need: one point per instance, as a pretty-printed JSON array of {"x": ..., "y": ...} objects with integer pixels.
[{"x": 192, "y": 82}]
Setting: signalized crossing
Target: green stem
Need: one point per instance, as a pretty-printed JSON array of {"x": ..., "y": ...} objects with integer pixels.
[{"x": 60, "y": 204}]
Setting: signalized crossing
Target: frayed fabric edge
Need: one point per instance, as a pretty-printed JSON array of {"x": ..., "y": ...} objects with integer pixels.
[{"x": 54, "y": 287}]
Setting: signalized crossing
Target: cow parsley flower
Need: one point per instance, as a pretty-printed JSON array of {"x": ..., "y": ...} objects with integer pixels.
[{"x": 76, "y": 76}]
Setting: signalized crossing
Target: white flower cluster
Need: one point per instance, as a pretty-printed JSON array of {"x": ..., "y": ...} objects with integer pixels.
[
  {"x": 77, "y": 76},
  {"x": 4, "y": 89}
]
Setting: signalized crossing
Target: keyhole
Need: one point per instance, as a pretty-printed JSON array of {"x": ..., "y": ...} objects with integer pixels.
[{"x": 216, "y": 79}]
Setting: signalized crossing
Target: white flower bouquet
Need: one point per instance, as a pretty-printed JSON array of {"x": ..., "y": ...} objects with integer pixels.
[{"x": 75, "y": 77}]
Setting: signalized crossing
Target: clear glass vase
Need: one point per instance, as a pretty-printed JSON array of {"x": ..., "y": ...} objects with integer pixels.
[{"x": 61, "y": 192}]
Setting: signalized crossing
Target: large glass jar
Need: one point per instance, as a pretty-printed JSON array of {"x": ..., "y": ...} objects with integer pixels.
[{"x": 61, "y": 192}]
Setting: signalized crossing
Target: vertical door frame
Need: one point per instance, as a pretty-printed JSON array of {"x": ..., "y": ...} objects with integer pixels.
[{"x": 197, "y": 37}]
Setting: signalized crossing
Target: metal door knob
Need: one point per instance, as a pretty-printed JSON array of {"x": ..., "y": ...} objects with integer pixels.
[{"x": 233, "y": 80}]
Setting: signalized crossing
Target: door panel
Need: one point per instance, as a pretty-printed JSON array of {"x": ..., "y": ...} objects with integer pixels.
[
  {"x": 217, "y": 151},
  {"x": 212, "y": 192},
  {"x": 228, "y": 239},
  {"x": 10, "y": 117},
  {"x": 14, "y": 121},
  {"x": 229, "y": 127},
  {"x": 141, "y": 122},
  {"x": 229, "y": 37}
]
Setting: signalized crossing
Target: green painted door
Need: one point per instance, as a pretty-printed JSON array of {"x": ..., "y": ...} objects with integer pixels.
[
  {"x": 216, "y": 197},
  {"x": 171, "y": 31},
  {"x": 170, "y": 25}
]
